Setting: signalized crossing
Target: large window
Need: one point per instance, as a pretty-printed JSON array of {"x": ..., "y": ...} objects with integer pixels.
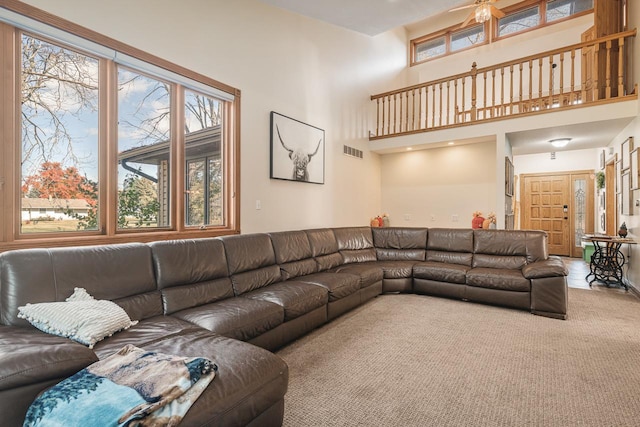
[
  {"x": 59, "y": 138},
  {"x": 518, "y": 18},
  {"x": 153, "y": 152},
  {"x": 203, "y": 151},
  {"x": 143, "y": 150}
]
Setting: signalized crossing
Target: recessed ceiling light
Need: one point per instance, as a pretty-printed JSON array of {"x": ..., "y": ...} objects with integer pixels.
[
  {"x": 409, "y": 148},
  {"x": 451, "y": 143},
  {"x": 560, "y": 142}
]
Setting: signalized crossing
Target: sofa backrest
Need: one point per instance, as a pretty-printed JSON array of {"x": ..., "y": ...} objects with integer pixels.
[
  {"x": 251, "y": 262},
  {"x": 293, "y": 254},
  {"x": 508, "y": 248},
  {"x": 324, "y": 248},
  {"x": 355, "y": 244},
  {"x": 122, "y": 273},
  {"x": 400, "y": 243},
  {"x": 191, "y": 272},
  {"x": 451, "y": 245}
]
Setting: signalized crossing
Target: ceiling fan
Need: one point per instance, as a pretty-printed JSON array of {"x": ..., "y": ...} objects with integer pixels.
[{"x": 484, "y": 10}]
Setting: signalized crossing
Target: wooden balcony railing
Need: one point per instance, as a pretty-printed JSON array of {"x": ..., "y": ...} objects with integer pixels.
[{"x": 575, "y": 76}]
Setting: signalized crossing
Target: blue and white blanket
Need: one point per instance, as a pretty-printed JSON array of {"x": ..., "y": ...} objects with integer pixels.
[{"x": 132, "y": 387}]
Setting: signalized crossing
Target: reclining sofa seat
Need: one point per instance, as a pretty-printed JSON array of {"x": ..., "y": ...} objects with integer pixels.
[
  {"x": 295, "y": 258},
  {"x": 355, "y": 245},
  {"x": 398, "y": 249},
  {"x": 256, "y": 276},
  {"x": 194, "y": 280},
  {"x": 123, "y": 273},
  {"x": 449, "y": 257}
]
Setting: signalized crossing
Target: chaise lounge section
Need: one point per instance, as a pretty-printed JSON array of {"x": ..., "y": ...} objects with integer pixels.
[{"x": 231, "y": 299}]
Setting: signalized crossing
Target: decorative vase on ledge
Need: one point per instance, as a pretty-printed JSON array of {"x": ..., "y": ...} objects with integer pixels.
[{"x": 622, "y": 232}]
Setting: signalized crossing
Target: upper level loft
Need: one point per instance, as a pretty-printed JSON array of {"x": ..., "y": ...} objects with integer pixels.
[{"x": 594, "y": 72}]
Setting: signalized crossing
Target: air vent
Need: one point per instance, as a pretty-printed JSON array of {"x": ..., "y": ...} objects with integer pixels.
[
  {"x": 553, "y": 155},
  {"x": 352, "y": 152}
]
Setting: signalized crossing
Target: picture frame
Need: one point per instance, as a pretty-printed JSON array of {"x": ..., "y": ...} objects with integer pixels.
[
  {"x": 625, "y": 196},
  {"x": 297, "y": 150},
  {"x": 635, "y": 169},
  {"x": 625, "y": 150}
]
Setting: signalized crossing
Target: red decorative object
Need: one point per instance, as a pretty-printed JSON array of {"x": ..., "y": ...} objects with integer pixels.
[{"x": 477, "y": 220}]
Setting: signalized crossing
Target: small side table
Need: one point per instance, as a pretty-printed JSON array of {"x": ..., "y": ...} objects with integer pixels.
[{"x": 607, "y": 260}]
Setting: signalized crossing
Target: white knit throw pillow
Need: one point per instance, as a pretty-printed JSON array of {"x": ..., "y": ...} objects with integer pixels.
[{"x": 81, "y": 318}]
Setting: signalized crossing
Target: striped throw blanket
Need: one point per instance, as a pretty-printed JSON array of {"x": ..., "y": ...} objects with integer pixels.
[{"x": 132, "y": 387}]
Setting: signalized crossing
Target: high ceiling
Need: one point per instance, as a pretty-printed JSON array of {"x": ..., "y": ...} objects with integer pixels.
[
  {"x": 372, "y": 17},
  {"x": 369, "y": 17}
]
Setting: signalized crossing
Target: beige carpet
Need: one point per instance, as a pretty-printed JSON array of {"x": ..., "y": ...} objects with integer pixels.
[{"x": 409, "y": 360}]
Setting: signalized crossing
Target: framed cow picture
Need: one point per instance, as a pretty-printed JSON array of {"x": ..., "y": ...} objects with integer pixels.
[{"x": 297, "y": 150}]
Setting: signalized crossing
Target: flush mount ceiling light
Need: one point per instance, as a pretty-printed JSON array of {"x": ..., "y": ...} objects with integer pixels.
[{"x": 560, "y": 142}]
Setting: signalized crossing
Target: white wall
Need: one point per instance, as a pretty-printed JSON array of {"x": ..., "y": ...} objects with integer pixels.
[
  {"x": 314, "y": 72},
  {"x": 565, "y": 161},
  {"x": 431, "y": 186}
]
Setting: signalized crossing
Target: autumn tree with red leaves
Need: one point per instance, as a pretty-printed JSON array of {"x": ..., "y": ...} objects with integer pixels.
[{"x": 55, "y": 182}]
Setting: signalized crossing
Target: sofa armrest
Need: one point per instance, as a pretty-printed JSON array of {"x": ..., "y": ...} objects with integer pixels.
[
  {"x": 551, "y": 267},
  {"x": 28, "y": 356}
]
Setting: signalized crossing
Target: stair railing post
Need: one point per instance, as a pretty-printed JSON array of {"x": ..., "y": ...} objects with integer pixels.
[{"x": 474, "y": 74}]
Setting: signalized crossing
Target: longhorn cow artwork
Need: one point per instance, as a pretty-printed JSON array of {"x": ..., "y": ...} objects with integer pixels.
[{"x": 297, "y": 150}]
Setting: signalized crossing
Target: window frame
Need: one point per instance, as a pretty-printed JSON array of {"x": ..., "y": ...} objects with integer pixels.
[
  {"x": 10, "y": 130},
  {"x": 490, "y": 30}
]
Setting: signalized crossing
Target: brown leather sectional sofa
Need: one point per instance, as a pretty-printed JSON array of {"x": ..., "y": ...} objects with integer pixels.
[{"x": 215, "y": 297}]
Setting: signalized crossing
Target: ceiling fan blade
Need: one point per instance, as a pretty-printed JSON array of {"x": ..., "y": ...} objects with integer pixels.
[
  {"x": 455, "y": 9},
  {"x": 470, "y": 18}
]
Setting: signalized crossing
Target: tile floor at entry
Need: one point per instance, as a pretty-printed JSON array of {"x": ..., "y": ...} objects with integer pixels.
[{"x": 578, "y": 270}]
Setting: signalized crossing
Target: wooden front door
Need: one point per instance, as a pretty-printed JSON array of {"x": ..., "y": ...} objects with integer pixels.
[{"x": 545, "y": 206}]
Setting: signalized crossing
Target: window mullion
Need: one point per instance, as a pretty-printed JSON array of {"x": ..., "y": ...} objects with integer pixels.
[
  {"x": 108, "y": 193},
  {"x": 178, "y": 161}
]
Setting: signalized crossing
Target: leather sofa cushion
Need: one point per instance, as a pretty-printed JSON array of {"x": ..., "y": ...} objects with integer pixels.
[
  {"x": 450, "y": 240},
  {"x": 462, "y": 258},
  {"x": 353, "y": 238},
  {"x": 239, "y": 318},
  {"x": 369, "y": 273},
  {"x": 247, "y": 252},
  {"x": 249, "y": 381},
  {"x": 339, "y": 285},
  {"x": 530, "y": 244},
  {"x": 499, "y": 261},
  {"x": 322, "y": 241},
  {"x": 294, "y": 269},
  {"x": 189, "y": 261},
  {"x": 498, "y": 278},
  {"x": 441, "y": 272},
  {"x": 387, "y": 254},
  {"x": 25, "y": 363},
  {"x": 182, "y": 297},
  {"x": 290, "y": 246},
  {"x": 358, "y": 255},
  {"x": 327, "y": 262},
  {"x": 110, "y": 272},
  {"x": 400, "y": 238},
  {"x": 141, "y": 306},
  {"x": 255, "y": 279},
  {"x": 552, "y": 267},
  {"x": 296, "y": 298},
  {"x": 145, "y": 332},
  {"x": 396, "y": 269}
]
